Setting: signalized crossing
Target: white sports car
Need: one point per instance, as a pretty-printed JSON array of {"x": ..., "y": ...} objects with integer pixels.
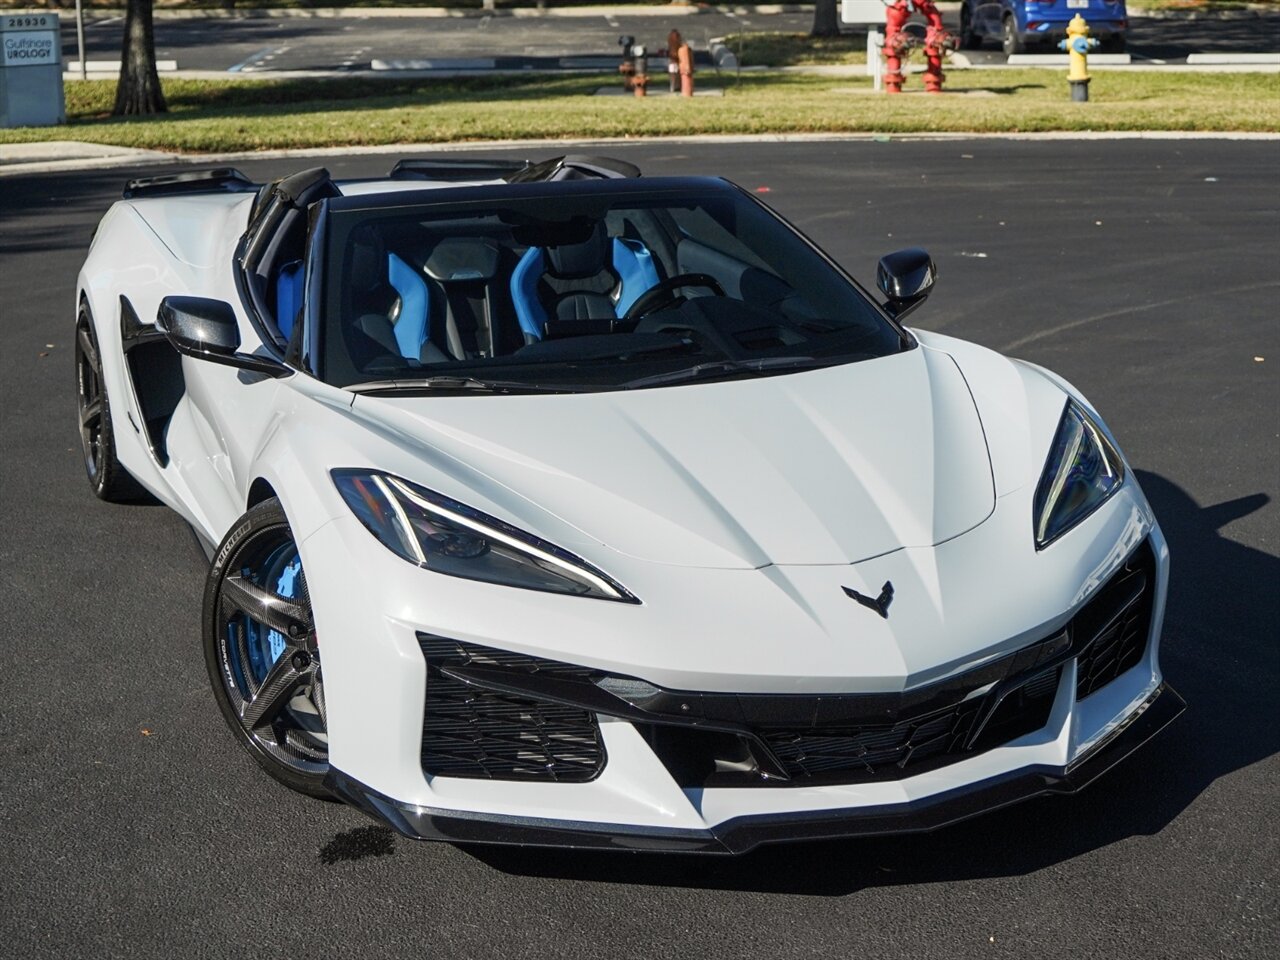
[{"x": 552, "y": 504}]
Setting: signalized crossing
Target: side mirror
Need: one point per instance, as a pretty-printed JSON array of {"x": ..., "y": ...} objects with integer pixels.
[
  {"x": 207, "y": 330},
  {"x": 906, "y": 278}
]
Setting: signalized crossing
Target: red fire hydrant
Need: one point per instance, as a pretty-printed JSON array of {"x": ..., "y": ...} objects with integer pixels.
[
  {"x": 936, "y": 43},
  {"x": 640, "y": 79},
  {"x": 628, "y": 66},
  {"x": 898, "y": 44}
]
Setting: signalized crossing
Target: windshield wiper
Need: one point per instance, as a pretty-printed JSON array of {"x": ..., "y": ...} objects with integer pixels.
[
  {"x": 722, "y": 368},
  {"x": 445, "y": 382}
]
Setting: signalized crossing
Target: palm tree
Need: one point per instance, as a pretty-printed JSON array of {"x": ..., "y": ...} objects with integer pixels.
[
  {"x": 826, "y": 19},
  {"x": 138, "y": 91}
]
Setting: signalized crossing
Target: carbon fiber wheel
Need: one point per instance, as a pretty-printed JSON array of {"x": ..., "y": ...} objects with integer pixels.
[
  {"x": 261, "y": 650},
  {"x": 109, "y": 480}
]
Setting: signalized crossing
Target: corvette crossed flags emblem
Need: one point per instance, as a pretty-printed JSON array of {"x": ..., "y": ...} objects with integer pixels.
[{"x": 879, "y": 604}]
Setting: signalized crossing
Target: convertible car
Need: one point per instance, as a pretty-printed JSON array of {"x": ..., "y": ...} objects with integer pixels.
[{"x": 548, "y": 503}]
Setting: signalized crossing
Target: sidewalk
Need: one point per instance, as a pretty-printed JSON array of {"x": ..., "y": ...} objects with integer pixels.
[{"x": 56, "y": 156}]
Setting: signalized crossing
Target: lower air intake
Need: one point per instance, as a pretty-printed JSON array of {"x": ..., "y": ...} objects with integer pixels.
[
  {"x": 477, "y": 733},
  {"x": 1115, "y": 622}
]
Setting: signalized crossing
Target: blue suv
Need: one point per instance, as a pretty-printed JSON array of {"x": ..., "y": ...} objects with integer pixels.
[{"x": 1020, "y": 24}]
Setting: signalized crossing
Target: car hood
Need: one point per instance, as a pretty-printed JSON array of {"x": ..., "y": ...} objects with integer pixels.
[{"x": 829, "y": 466}]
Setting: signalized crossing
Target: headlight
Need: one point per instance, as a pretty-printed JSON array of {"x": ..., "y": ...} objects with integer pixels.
[
  {"x": 448, "y": 537},
  {"x": 1083, "y": 470}
]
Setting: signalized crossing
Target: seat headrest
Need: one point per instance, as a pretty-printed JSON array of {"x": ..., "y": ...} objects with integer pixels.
[
  {"x": 368, "y": 262},
  {"x": 463, "y": 258},
  {"x": 572, "y": 261}
]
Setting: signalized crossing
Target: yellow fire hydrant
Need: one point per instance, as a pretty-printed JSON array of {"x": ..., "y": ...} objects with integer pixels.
[{"x": 1077, "y": 45}]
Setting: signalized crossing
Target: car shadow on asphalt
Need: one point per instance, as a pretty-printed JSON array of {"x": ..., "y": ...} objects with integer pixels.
[{"x": 1223, "y": 604}]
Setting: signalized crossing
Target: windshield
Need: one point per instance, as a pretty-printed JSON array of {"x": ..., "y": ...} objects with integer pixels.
[{"x": 582, "y": 292}]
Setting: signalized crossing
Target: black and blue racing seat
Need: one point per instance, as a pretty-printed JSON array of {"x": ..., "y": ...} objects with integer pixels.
[
  {"x": 597, "y": 279},
  {"x": 442, "y": 310}
]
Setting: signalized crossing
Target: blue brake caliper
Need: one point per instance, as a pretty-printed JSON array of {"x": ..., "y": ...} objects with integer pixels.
[{"x": 285, "y": 586}]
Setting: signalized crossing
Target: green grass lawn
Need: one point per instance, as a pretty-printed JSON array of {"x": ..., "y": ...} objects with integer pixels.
[
  {"x": 251, "y": 115},
  {"x": 795, "y": 49}
]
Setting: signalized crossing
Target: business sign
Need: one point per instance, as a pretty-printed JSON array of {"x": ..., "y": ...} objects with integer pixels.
[
  {"x": 862, "y": 11},
  {"x": 28, "y": 48},
  {"x": 30, "y": 97}
]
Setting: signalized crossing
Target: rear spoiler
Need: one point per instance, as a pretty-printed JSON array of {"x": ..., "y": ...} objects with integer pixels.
[
  {"x": 221, "y": 180},
  {"x": 453, "y": 168},
  {"x": 576, "y": 166},
  {"x": 570, "y": 167}
]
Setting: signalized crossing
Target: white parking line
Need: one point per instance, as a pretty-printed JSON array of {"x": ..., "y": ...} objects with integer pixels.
[
  {"x": 250, "y": 60},
  {"x": 258, "y": 59}
]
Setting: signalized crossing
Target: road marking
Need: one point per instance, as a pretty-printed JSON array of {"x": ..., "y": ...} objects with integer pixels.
[
  {"x": 1139, "y": 308},
  {"x": 259, "y": 59},
  {"x": 250, "y": 60},
  {"x": 457, "y": 63},
  {"x": 103, "y": 23}
]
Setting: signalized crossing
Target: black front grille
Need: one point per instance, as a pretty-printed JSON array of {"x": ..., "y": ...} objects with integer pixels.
[
  {"x": 468, "y": 731},
  {"x": 1115, "y": 623},
  {"x": 819, "y": 754},
  {"x": 872, "y": 750},
  {"x": 506, "y": 716}
]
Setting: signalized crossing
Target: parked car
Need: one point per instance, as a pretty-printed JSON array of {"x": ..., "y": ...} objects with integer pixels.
[
  {"x": 1021, "y": 24},
  {"x": 551, "y": 504}
]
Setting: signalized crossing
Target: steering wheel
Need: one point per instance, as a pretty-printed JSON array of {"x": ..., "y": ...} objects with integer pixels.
[{"x": 664, "y": 293}]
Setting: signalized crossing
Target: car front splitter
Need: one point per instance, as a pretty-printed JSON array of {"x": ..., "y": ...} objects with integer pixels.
[{"x": 741, "y": 834}]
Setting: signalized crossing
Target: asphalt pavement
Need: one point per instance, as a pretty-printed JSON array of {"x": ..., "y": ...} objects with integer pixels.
[
  {"x": 256, "y": 45},
  {"x": 262, "y": 45},
  {"x": 1143, "y": 271}
]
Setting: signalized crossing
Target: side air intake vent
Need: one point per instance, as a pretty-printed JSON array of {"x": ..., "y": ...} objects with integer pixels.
[
  {"x": 468, "y": 731},
  {"x": 1115, "y": 623}
]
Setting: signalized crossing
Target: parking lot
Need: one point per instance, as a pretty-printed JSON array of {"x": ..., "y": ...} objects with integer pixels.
[
  {"x": 1142, "y": 270},
  {"x": 263, "y": 45}
]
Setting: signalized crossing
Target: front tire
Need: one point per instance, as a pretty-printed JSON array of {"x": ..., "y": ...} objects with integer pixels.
[
  {"x": 109, "y": 480},
  {"x": 261, "y": 650}
]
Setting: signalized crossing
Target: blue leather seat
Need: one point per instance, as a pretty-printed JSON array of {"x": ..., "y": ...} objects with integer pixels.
[
  {"x": 288, "y": 297},
  {"x": 393, "y": 304},
  {"x": 575, "y": 281},
  {"x": 413, "y": 322}
]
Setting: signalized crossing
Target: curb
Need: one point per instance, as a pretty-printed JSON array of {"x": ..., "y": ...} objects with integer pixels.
[
  {"x": 140, "y": 158},
  {"x": 727, "y": 63}
]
